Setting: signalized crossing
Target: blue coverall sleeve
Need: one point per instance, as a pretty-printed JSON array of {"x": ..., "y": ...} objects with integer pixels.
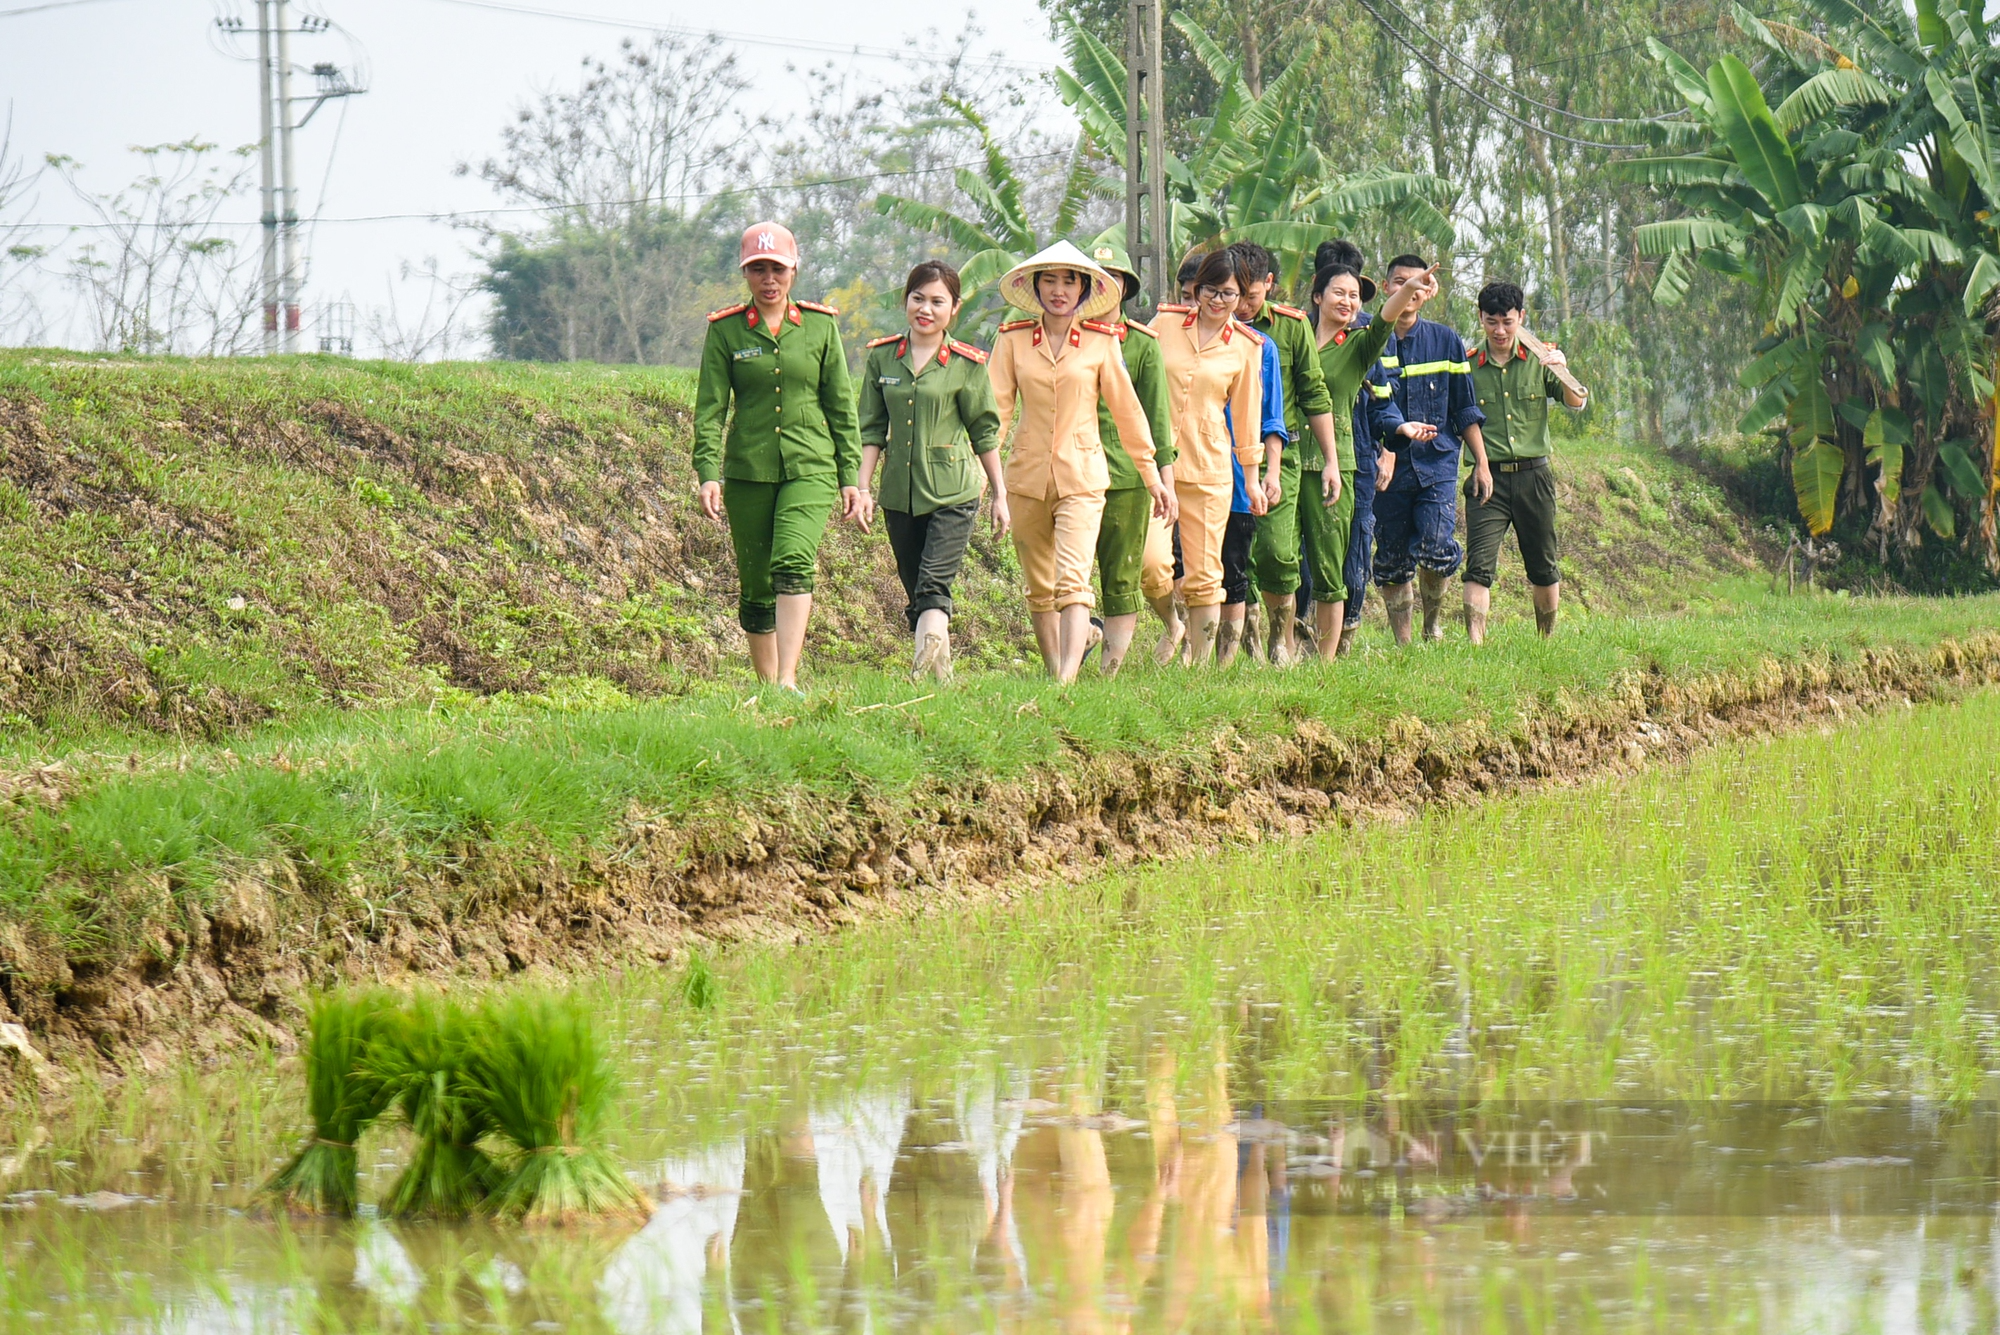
[{"x": 1274, "y": 394}]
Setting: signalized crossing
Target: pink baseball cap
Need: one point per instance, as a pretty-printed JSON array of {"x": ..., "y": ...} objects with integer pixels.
[{"x": 770, "y": 241}]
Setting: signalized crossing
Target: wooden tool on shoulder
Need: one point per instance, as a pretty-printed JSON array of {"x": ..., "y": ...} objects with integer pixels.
[{"x": 1540, "y": 352}]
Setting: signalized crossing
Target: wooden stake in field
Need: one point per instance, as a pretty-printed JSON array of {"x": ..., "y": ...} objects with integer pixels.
[{"x": 1540, "y": 351}]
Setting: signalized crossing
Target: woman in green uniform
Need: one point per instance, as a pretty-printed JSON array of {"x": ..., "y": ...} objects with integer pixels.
[
  {"x": 1345, "y": 354},
  {"x": 791, "y": 446},
  {"x": 927, "y": 415}
]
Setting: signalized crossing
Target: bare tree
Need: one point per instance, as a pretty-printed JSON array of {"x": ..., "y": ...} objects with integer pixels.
[
  {"x": 20, "y": 315},
  {"x": 157, "y": 269},
  {"x": 435, "y": 332},
  {"x": 644, "y": 134}
]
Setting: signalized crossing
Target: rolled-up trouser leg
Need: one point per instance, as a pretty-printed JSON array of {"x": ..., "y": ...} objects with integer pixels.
[
  {"x": 775, "y": 528},
  {"x": 929, "y": 551},
  {"x": 1239, "y": 535},
  {"x": 1122, "y": 540},
  {"x": 1055, "y": 539},
  {"x": 1327, "y": 530},
  {"x": 1274, "y": 552},
  {"x": 1156, "y": 571},
  {"x": 1204, "y": 521}
]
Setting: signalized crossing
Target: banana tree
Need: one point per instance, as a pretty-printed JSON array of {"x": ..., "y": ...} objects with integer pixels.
[
  {"x": 996, "y": 232},
  {"x": 1871, "y": 273},
  {"x": 1250, "y": 170}
]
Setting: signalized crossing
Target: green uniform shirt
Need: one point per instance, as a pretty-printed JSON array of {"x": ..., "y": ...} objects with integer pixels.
[
  {"x": 1345, "y": 363},
  {"x": 1515, "y": 398},
  {"x": 1298, "y": 369},
  {"x": 929, "y": 423},
  {"x": 794, "y": 406},
  {"x": 1149, "y": 378}
]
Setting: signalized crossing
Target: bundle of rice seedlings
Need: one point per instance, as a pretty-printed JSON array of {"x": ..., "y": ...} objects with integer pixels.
[
  {"x": 344, "y": 1097},
  {"x": 543, "y": 1079},
  {"x": 421, "y": 1061}
]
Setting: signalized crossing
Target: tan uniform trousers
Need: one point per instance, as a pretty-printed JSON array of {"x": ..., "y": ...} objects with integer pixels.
[
  {"x": 1204, "y": 516},
  {"x": 1056, "y": 540},
  {"x": 1156, "y": 569}
]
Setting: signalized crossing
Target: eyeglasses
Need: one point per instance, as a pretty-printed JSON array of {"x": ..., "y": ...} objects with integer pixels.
[{"x": 1219, "y": 294}]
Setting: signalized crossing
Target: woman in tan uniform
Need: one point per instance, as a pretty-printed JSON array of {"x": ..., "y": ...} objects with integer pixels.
[
  {"x": 1051, "y": 371},
  {"x": 1212, "y": 363}
]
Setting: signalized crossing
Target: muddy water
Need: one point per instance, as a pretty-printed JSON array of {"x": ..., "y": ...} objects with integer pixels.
[
  {"x": 998, "y": 1206},
  {"x": 1165, "y": 1106}
]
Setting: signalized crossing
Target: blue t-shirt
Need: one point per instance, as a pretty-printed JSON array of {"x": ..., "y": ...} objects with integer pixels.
[{"x": 1274, "y": 425}]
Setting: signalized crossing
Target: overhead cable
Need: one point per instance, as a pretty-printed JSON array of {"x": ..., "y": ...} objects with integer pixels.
[
  {"x": 465, "y": 214},
  {"x": 1498, "y": 110}
]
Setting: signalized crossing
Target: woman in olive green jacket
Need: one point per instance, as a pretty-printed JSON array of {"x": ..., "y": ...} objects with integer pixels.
[
  {"x": 791, "y": 448},
  {"x": 927, "y": 415}
]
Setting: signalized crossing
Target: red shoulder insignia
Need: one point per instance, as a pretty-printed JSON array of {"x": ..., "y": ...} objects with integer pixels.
[
  {"x": 1175, "y": 307},
  {"x": 1012, "y": 325},
  {"x": 1256, "y": 339},
  {"x": 821, "y": 307},
  {"x": 1099, "y": 327},
  {"x": 1146, "y": 329},
  {"x": 1292, "y": 311},
  {"x": 728, "y": 311},
  {"x": 969, "y": 352},
  {"x": 885, "y": 339}
]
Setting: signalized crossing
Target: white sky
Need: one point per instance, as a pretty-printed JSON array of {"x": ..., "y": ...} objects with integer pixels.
[{"x": 89, "y": 80}]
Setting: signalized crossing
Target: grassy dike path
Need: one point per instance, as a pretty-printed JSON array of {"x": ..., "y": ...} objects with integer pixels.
[{"x": 184, "y": 897}]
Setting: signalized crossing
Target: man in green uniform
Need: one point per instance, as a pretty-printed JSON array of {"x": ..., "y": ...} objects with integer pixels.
[
  {"x": 791, "y": 449},
  {"x": 1513, "y": 389},
  {"x": 1135, "y": 559},
  {"x": 1314, "y": 469}
]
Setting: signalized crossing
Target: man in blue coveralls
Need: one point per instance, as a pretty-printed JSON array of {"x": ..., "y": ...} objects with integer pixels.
[{"x": 1416, "y": 515}]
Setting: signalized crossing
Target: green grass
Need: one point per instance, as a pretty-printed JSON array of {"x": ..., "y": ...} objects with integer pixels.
[{"x": 366, "y": 807}]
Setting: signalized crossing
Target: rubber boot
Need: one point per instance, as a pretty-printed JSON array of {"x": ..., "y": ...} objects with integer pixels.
[
  {"x": 1252, "y": 642},
  {"x": 1430, "y": 591},
  {"x": 1399, "y": 601}
]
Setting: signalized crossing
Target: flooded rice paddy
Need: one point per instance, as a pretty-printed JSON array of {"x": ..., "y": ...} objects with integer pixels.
[{"x": 1716, "y": 1047}]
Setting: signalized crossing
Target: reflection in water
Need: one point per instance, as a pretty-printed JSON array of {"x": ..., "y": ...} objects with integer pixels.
[{"x": 1033, "y": 1201}]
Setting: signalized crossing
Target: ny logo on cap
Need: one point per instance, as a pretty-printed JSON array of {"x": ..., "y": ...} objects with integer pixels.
[{"x": 765, "y": 241}]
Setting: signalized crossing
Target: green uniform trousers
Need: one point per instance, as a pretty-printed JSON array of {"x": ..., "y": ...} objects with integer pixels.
[
  {"x": 775, "y": 528},
  {"x": 1274, "y": 552},
  {"x": 1525, "y": 501},
  {"x": 1329, "y": 531},
  {"x": 1121, "y": 550}
]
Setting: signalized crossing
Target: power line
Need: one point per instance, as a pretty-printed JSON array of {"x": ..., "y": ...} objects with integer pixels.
[
  {"x": 582, "y": 204},
  {"x": 1498, "y": 110},
  {"x": 1509, "y": 89},
  {"x": 52, "y": 4},
  {"x": 786, "y": 43}
]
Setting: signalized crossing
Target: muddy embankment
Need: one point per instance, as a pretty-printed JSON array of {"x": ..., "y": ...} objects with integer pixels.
[{"x": 237, "y": 973}]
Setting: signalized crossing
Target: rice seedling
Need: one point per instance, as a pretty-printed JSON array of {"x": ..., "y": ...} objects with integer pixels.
[
  {"x": 344, "y": 1094},
  {"x": 421, "y": 1061},
  {"x": 536, "y": 1065}
]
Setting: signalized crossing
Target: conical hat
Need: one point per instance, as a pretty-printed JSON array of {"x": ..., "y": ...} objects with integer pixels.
[{"x": 1017, "y": 287}]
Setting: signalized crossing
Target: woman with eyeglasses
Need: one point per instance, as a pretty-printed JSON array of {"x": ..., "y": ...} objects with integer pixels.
[{"x": 1213, "y": 363}]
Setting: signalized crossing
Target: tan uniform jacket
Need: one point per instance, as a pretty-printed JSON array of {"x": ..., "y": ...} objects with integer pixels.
[
  {"x": 1057, "y": 452},
  {"x": 1200, "y": 383}
]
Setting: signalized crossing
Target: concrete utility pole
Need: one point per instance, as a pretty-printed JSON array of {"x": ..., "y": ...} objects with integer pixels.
[
  {"x": 268, "y": 148},
  {"x": 1147, "y": 238},
  {"x": 289, "y": 282}
]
